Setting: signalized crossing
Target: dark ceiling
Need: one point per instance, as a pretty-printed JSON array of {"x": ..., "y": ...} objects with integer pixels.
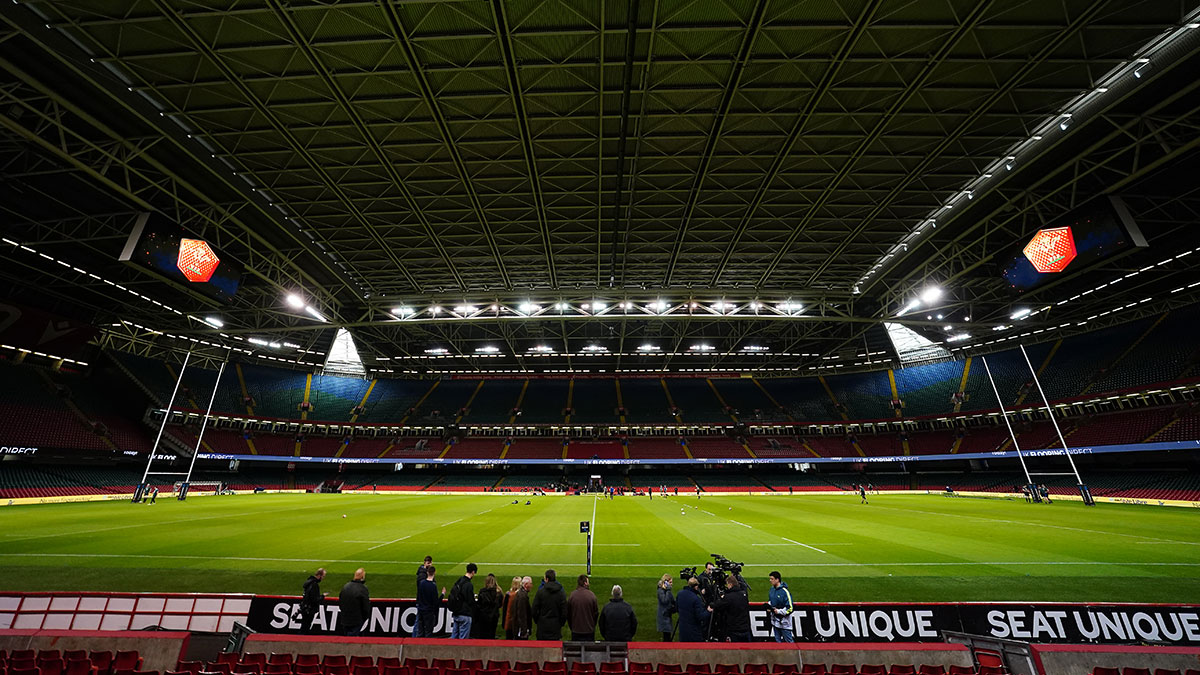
[{"x": 370, "y": 155}]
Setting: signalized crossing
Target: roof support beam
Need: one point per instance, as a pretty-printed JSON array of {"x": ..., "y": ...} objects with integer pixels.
[
  {"x": 417, "y": 69},
  {"x": 951, "y": 139},
  {"x": 198, "y": 43},
  {"x": 504, "y": 36},
  {"x": 714, "y": 135},
  {"x": 810, "y": 107}
]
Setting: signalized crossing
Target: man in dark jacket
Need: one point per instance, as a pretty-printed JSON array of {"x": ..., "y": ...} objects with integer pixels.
[
  {"x": 429, "y": 602},
  {"x": 550, "y": 608},
  {"x": 311, "y": 601},
  {"x": 522, "y": 620},
  {"x": 354, "y": 604},
  {"x": 708, "y": 585},
  {"x": 421, "y": 573},
  {"x": 582, "y": 610},
  {"x": 732, "y": 612},
  {"x": 618, "y": 623},
  {"x": 693, "y": 613},
  {"x": 462, "y": 604}
]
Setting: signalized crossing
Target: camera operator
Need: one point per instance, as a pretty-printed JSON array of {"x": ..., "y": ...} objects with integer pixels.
[
  {"x": 709, "y": 590},
  {"x": 731, "y": 613}
]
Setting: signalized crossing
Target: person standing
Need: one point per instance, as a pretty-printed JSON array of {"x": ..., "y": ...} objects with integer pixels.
[
  {"x": 429, "y": 602},
  {"x": 421, "y": 573},
  {"x": 693, "y": 613},
  {"x": 780, "y": 600},
  {"x": 582, "y": 610},
  {"x": 708, "y": 585},
  {"x": 462, "y": 604},
  {"x": 732, "y": 612},
  {"x": 549, "y": 610},
  {"x": 666, "y": 607},
  {"x": 354, "y": 604},
  {"x": 311, "y": 601},
  {"x": 487, "y": 610},
  {"x": 862, "y": 492},
  {"x": 617, "y": 622},
  {"x": 510, "y": 605},
  {"x": 522, "y": 617}
]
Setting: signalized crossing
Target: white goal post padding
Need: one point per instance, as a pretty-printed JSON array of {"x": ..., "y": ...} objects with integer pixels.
[{"x": 197, "y": 486}]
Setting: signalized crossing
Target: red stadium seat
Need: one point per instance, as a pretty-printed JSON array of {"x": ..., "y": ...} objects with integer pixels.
[
  {"x": 243, "y": 668},
  {"x": 961, "y": 670},
  {"x": 755, "y": 669},
  {"x": 488, "y": 671},
  {"x": 307, "y": 660},
  {"x": 48, "y": 654},
  {"x": 306, "y": 669},
  {"x": 473, "y": 664},
  {"x": 1135, "y": 671},
  {"x": 146, "y": 672},
  {"x": 578, "y": 668},
  {"x": 52, "y": 666},
  {"x": 555, "y": 667},
  {"x": 365, "y": 670},
  {"x": 80, "y": 667},
  {"x": 214, "y": 667},
  {"x": 227, "y": 657},
  {"x": 670, "y": 668},
  {"x": 1164, "y": 671},
  {"x": 813, "y": 669},
  {"x": 612, "y": 667},
  {"x": 24, "y": 671},
  {"x": 845, "y": 669},
  {"x": 501, "y": 666},
  {"x": 697, "y": 669},
  {"x": 335, "y": 669},
  {"x": 872, "y": 669},
  {"x": 902, "y": 670},
  {"x": 636, "y": 667},
  {"x": 280, "y": 657},
  {"x": 426, "y": 671},
  {"x": 74, "y": 654},
  {"x": 527, "y": 666},
  {"x": 257, "y": 657},
  {"x": 189, "y": 666},
  {"x": 1000, "y": 670},
  {"x": 22, "y": 655},
  {"x": 931, "y": 670},
  {"x": 456, "y": 671},
  {"x": 442, "y": 663},
  {"x": 396, "y": 670},
  {"x": 333, "y": 660},
  {"x": 278, "y": 669},
  {"x": 416, "y": 663},
  {"x": 789, "y": 669},
  {"x": 101, "y": 660}
]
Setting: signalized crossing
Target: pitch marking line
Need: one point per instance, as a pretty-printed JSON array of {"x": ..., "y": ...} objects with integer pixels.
[
  {"x": 743, "y": 525},
  {"x": 582, "y": 543},
  {"x": 372, "y": 548},
  {"x": 452, "y": 522},
  {"x": 1076, "y": 563},
  {"x": 482, "y": 512},
  {"x": 361, "y": 541},
  {"x": 1178, "y": 543},
  {"x": 804, "y": 545}
]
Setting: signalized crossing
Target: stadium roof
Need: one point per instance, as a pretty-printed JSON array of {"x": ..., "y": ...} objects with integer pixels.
[{"x": 780, "y": 175}]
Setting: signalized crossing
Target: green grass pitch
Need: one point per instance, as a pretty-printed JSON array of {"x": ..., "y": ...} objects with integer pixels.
[{"x": 829, "y": 547}]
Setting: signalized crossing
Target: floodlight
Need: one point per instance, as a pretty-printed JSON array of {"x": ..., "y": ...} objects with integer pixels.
[
  {"x": 528, "y": 308},
  {"x": 214, "y": 322},
  {"x": 649, "y": 348},
  {"x": 295, "y": 301},
  {"x": 314, "y": 313},
  {"x": 931, "y": 295},
  {"x": 487, "y": 349},
  {"x": 1021, "y": 313}
]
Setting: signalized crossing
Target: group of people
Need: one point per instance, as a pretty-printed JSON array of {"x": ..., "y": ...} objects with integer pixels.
[
  {"x": 1041, "y": 491},
  {"x": 705, "y": 610}
]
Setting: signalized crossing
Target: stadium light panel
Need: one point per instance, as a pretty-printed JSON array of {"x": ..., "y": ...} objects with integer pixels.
[
  {"x": 702, "y": 347},
  {"x": 295, "y": 301},
  {"x": 1020, "y": 314},
  {"x": 435, "y": 310},
  {"x": 658, "y": 306},
  {"x": 314, "y": 313},
  {"x": 598, "y": 306},
  {"x": 649, "y": 348},
  {"x": 931, "y": 294},
  {"x": 528, "y": 308},
  {"x": 755, "y": 348},
  {"x": 214, "y": 322},
  {"x": 437, "y": 350},
  {"x": 464, "y": 309},
  {"x": 488, "y": 349}
]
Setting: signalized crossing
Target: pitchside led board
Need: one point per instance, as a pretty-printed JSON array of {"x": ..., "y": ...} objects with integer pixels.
[
  {"x": 163, "y": 248},
  {"x": 1096, "y": 231}
]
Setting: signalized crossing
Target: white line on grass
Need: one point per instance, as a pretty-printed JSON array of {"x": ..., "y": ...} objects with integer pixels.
[
  {"x": 1179, "y": 543},
  {"x": 452, "y": 522},
  {"x": 584, "y": 543},
  {"x": 372, "y": 548},
  {"x": 361, "y": 541},
  {"x": 742, "y": 524},
  {"x": 1075, "y": 563},
  {"x": 804, "y": 545}
]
